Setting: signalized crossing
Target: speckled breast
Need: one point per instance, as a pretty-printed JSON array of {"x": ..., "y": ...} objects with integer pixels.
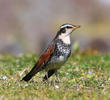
[{"x": 59, "y": 57}]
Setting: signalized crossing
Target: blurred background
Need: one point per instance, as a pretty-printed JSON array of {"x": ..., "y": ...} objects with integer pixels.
[{"x": 27, "y": 26}]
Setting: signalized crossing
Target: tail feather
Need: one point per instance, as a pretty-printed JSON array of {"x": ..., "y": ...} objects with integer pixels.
[
  {"x": 27, "y": 77},
  {"x": 31, "y": 73}
]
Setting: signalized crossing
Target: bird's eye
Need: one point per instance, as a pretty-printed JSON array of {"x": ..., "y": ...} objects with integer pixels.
[
  {"x": 68, "y": 27},
  {"x": 63, "y": 30}
]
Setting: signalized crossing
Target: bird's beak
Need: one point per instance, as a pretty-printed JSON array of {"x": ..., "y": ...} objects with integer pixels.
[{"x": 76, "y": 27}]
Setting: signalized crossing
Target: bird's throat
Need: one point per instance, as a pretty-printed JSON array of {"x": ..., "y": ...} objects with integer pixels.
[{"x": 65, "y": 39}]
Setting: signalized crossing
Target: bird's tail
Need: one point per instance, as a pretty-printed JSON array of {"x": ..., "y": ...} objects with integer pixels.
[
  {"x": 27, "y": 77},
  {"x": 30, "y": 74}
]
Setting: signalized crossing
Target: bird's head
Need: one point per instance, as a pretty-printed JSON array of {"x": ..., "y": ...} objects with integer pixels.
[{"x": 65, "y": 30}]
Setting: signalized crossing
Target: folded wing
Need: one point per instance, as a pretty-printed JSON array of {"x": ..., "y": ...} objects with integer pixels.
[{"x": 43, "y": 60}]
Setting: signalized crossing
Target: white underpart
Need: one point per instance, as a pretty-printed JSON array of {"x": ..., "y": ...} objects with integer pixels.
[
  {"x": 61, "y": 58},
  {"x": 65, "y": 38}
]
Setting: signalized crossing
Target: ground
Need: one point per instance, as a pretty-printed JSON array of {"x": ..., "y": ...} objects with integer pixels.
[{"x": 86, "y": 76}]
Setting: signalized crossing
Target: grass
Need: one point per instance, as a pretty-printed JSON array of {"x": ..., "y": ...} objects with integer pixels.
[{"x": 86, "y": 76}]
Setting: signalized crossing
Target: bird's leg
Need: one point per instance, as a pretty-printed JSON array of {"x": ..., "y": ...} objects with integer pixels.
[
  {"x": 56, "y": 73},
  {"x": 47, "y": 75},
  {"x": 45, "y": 79}
]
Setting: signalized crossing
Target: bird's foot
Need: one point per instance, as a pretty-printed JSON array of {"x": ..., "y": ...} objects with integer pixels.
[{"x": 58, "y": 80}]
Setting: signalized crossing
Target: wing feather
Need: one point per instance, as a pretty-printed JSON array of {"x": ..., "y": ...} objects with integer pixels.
[{"x": 44, "y": 58}]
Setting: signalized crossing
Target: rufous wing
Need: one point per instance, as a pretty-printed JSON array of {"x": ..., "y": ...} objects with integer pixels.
[{"x": 44, "y": 58}]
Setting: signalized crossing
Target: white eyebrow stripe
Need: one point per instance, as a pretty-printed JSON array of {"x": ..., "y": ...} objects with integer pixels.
[{"x": 66, "y": 25}]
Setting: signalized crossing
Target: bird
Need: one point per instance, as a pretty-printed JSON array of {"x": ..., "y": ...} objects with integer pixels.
[{"x": 55, "y": 55}]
